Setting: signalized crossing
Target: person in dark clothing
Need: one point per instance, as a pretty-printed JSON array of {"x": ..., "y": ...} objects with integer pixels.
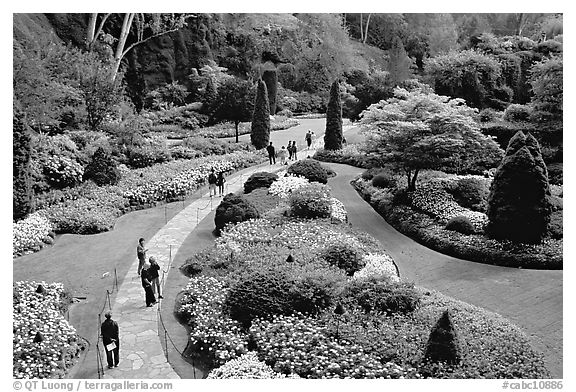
[
  {"x": 212, "y": 182},
  {"x": 220, "y": 182},
  {"x": 141, "y": 253},
  {"x": 150, "y": 298},
  {"x": 271, "y": 153},
  {"x": 154, "y": 275},
  {"x": 110, "y": 335},
  {"x": 289, "y": 148},
  {"x": 294, "y": 150},
  {"x": 308, "y": 138}
]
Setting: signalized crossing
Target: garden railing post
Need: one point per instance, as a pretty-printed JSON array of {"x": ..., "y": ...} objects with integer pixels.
[{"x": 108, "y": 296}]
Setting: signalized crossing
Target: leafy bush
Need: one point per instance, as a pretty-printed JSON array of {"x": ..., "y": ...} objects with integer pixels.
[
  {"x": 344, "y": 256},
  {"x": 348, "y": 155},
  {"x": 259, "y": 180},
  {"x": 102, "y": 169},
  {"x": 262, "y": 200},
  {"x": 62, "y": 172},
  {"x": 461, "y": 224},
  {"x": 182, "y": 152},
  {"x": 384, "y": 179},
  {"x": 314, "y": 290},
  {"x": 309, "y": 169},
  {"x": 259, "y": 294},
  {"x": 471, "y": 192},
  {"x": 515, "y": 113},
  {"x": 556, "y": 227},
  {"x": 139, "y": 157},
  {"x": 310, "y": 201},
  {"x": 381, "y": 294},
  {"x": 489, "y": 115},
  {"x": 234, "y": 209}
]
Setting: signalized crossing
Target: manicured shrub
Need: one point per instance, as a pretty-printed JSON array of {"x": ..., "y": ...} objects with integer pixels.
[
  {"x": 471, "y": 193},
  {"x": 259, "y": 293},
  {"x": 518, "y": 205},
  {"x": 384, "y": 179},
  {"x": 515, "y": 113},
  {"x": 344, "y": 256},
  {"x": 310, "y": 201},
  {"x": 381, "y": 294},
  {"x": 234, "y": 209},
  {"x": 461, "y": 224},
  {"x": 262, "y": 200},
  {"x": 333, "y": 136},
  {"x": 102, "y": 169},
  {"x": 314, "y": 290},
  {"x": 442, "y": 345},
  {"x": 259, "y": 180},
  {"x": 260, "y": 131},
  {"x": 21, "y": 176},
  {"x": 309, "y": 169}
]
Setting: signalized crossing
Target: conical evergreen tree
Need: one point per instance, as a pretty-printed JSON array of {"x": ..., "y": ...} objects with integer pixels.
[
  {"x": 21, "y": 177},
  {"x": 442, "y": 345},
  {"x": 210, "y": 97},
  {"x": 399, "y": 63},
  {"x": 102, "y": 169},
  {"x": 519, "y": 206},
  {"x": 270, "y": 77},
  {"x": 333, "y": 136},
  {"x": 260, "y": 132}
]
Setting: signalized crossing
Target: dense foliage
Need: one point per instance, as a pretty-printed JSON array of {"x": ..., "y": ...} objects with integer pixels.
[
  {"x": 333, "y": 135},
  {"x": 260, "y": 132},
  {"x": 21, "y": 174},
  {"x": 102, "y": 169},
  {"x": 309, "y": 169},
  {"x": 233, "y": 209},
  {"x": 259, "y": 180}
]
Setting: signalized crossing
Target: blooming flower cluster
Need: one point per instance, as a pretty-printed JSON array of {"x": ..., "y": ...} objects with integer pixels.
[
  {"x": 284, "y": 185},
  {"x": 63, "y": 171},
  {"x": 434, "y": 200},
  {"x": 30, "y": 233},
  {"x": 338, "y": 211},
  {"x": 301, "y": 345},
  {"x": 377, "y": 264},
  {"x": 246, "y": 366},
  {"x": 213, "y": 331},
  {"x": 39, "y": 313}
]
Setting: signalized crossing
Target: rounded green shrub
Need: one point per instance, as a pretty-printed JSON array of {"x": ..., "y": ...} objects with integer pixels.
[
  {"x": 460, "y": 224},
  {"x": 370, "y": 173},
  {"x": 309, "y": 169},
  {"x": 471, "y": 193},
  {"x": 344, "y": 256},
  {"x": 310, "y": 201},
  {"x": 384, "y": 179},
  {"x": 234, "y": 209},
  {"x": 382, "y": 295},
  {"x": 314, "y": 290},
  {"x": 259, "y": 180},
  {"x": 516, "y": 112},
  {"x": 102, "y": 169}
]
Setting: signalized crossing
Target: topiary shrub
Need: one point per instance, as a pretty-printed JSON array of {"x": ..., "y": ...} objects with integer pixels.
[
  {"x": 384, "y": 179},
  {"x": 309, "y": 169},
  {"x": 344, "y": 256},
  {"x": 259, "y": 293},
  {"x": 370, "y": 173},
  {"x": 234, "y": 209},
  {"x": 378, "y": 293},
  {"x": 259, "y": 180},
  {"x": 460, "y": 224},
  {"x": 471, "y": 193},
  {"x": 333, "y": 135},
  {"x": 314, "y": 290},
  {"x": 102, "y": 169},
  {"x": 310, "y": 201},
  {"x": 260, "y": 130},
  {"x": 442, "y": 345}
]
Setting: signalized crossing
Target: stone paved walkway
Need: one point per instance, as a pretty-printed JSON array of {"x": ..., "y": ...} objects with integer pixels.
[{"x": 141, "y": 353}]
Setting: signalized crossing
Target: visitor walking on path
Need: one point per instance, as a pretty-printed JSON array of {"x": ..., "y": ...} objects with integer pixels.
[
  {"x": 220, "y": 182},
  {"x": 289, "y": 150},
  {"x": 282, "y": 155},
  {"x": 212, "y": 182},
  {"x": 308, "y": 139},
  {"x": 111, "y": 340},
  {"x": 150, "y": 298},
  {"x": 271, "y": 153},
  {"x": 154, "y": 275},
  {"x": 141, "y": 253},
  {"x": 294, "y": 150}
]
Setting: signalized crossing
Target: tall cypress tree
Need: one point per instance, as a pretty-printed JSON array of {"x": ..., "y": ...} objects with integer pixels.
[
  {"x": 21, "y": 180},
  {"x": 399, "y": 63},
  {"x": 260, "y": 132},
  {"x": 270, "y": 77},
  {"x": 210, "y": 97},
  {"x": 519, "y": 206},
  {"x": 442, "y": 345},
  {"x": 333, "y": 135}
]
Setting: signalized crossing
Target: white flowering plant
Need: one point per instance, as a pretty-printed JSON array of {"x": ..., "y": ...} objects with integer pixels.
[
  {"x": 30, "y": 233},
  {"x": 246, "y": 367}
]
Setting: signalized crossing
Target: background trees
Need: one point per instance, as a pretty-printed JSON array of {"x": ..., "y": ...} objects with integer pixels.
[
  {"x": 235, "y": 102},
  {"x": 21, "y": 176}
]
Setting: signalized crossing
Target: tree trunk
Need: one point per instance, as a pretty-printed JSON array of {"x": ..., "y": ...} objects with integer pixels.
[
  {"x": 236, "y": 123},
  {"x": 414, "y": 178},
  {"x": 91, "y": 34},
  {"x": 126, "y": 25},
  {"x": 366, "y": 29},
  {"x": 361, "y": 28}
]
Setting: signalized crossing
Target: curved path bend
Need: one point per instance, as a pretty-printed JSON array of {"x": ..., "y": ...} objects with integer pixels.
[{"x": 532, "y": 299}]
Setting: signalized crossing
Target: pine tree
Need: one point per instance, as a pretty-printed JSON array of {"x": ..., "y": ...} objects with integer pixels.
[
  {"x": 399, "y": 63},
  {"x": 519, "y": 206},
  {"x": 333, "y": 135},
  {"x": 102, "y": 169},
  {"x": 260, "y": 132},
  {"x": 442, "y": 345},
  {"x": 270, "y": 77},
  {"x": 21, "y": 179}
]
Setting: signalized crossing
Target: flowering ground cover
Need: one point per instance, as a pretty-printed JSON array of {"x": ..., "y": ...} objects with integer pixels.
[
  {"x": 89, "y": 209},
  {"x": 267, "y": 297},
  {"x": 45, "y": 345},
  {"x": 425, "y": 221},
  {"x": 227, "y": 129}
]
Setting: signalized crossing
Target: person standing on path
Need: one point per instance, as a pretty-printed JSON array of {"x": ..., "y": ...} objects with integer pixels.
[
  {"x": 289, "y": 150},
  {"x": 271, "y": 153},
  {"x": 145, "y": 275},
  {"x": 220, "y": 182},
  {"x": 111, "y": 340},
  {"x": 308, "y": 139},
  {"x": 282, "y": 155},
  {"x": 154, "y": 275},
  {"x": 141, "y": 253},
  {"x": 294, "y": 150},
  {"x": 212, "y": 182}
]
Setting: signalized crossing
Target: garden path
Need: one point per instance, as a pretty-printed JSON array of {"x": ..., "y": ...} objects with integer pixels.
[
  {"x": 532, "y": 299},
  {"x": 142, "y": 355}
]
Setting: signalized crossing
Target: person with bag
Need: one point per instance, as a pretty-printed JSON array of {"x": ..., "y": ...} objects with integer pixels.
[{"x": 111, "y": 340}]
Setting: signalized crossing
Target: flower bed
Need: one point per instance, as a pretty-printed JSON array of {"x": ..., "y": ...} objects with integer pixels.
[
  {"x": 40, "y": 313},
  {"x": 30, "y": 234},
  {"x": 349, "y": 155},
  {"x": 227, "y": 129},
  {"x": 245, "y": 367},
  {"x": 475, "y": 247}
]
